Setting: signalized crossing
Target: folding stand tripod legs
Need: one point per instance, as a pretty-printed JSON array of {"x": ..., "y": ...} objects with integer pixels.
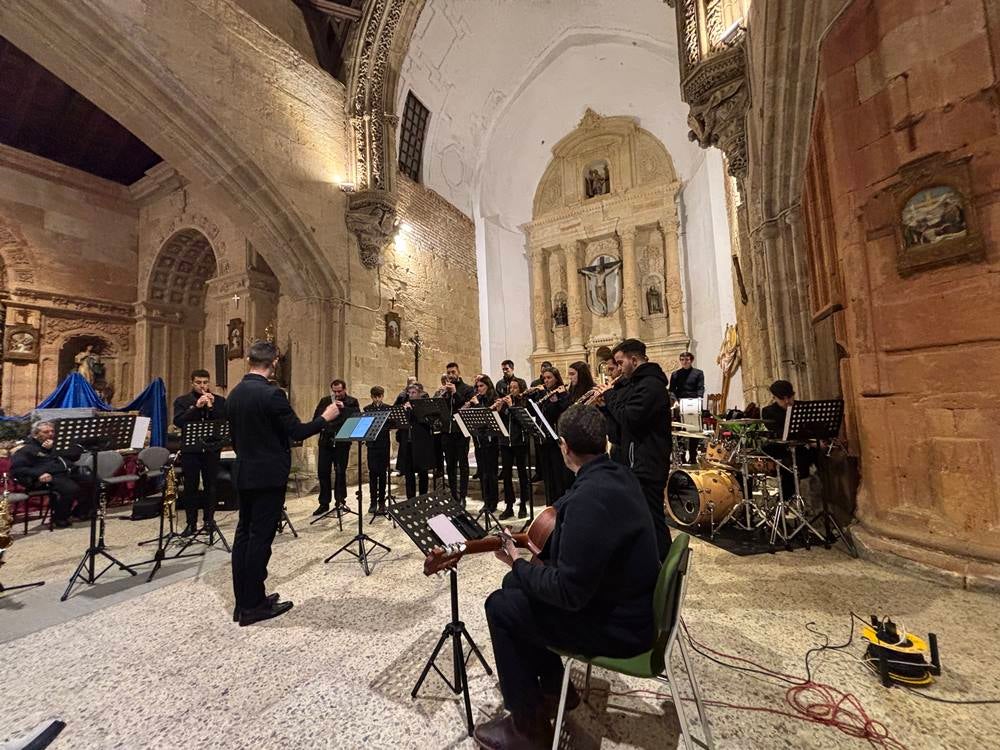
[
  {"x": 5, "y": 589},
  {"x": 161, "y": 548},
  {"x": 286, "y": 521},
  {"x": 87, "y": 570},
  {"x": 456, "y": 631},
  {"x": 361, "y": 537}
]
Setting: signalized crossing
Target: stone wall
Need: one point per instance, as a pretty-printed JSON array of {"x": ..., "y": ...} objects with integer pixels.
[
  {"x": 68, "y": 241},
  {"x": 907, "y": 100}
]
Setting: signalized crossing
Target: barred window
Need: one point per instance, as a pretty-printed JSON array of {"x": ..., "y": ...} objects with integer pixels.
[{"x": 411, "y": 137}]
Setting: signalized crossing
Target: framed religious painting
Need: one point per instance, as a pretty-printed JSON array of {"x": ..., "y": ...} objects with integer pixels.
[
  {"x": 234, "y": 339},
  {"x": 393, "y": 329},
  {"x": 21, "y": 343}
]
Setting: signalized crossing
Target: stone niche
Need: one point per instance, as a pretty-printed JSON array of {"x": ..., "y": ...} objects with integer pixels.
[{"x": 603, "y": 243}]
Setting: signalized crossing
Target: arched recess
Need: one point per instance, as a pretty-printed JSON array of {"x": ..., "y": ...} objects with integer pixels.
[
  {"x": 116, "y": 66},
  {"x": 170, "y": 328}
]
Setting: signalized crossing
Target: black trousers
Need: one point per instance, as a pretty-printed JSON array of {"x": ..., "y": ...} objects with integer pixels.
[
  {"x": 555, "y": 475},
  {"x": 488, "y": 462},
  {"x": 378, "y": 474},
  {"x": 410, "y": 478},
  {"x": 199, "y": 469},
  {"x": 654, "y": 492},
  {"x": 510, "y": 457},
  {"x": 333, "y": 457},
  {"x": 456, "y": 454},
  {"x": 63, "y": 490},
  {"x": 260, "y": 513}
]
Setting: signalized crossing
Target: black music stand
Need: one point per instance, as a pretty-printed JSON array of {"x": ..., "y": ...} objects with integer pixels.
[
  {"x": 477, "y": 422},
  {"x": 5, "y": 589},
  {"x": 206, "y": 436},
  {"x": 413, "y": 516},
  {"x": 548, "y": 434},
  {"x": 338, "y": 510},
  {"x": 360, "y": 430},
  {"x": 817, "y": 420},
  {"x": 435, "y": 413},
  {"x": 530, "y": 432},
  {"x": 94, "y": 434}
]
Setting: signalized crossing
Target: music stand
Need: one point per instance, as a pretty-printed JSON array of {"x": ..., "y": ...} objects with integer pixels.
[
  {"x": 338, "y": 510},
  {"x": 206, "y": 436},
  {"x": 530, "y": 431},
  {"x": 548, "y": 434},
  {"x": 413, "y": 516},
  {"x": 435, "y": 414},
  {"x": 360, "y": 430},
  {"x": 164, "y": 540},
  {"x": 479, "y": 421},
  {"x": 93, "y": 434},
  {"x": 816, "y": 420}
]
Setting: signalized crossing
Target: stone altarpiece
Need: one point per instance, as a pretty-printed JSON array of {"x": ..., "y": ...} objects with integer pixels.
[{"x": 605, "y": 206}]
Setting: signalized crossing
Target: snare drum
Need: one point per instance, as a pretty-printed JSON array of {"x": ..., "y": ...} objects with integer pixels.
[{"x": 696, "y": 497}]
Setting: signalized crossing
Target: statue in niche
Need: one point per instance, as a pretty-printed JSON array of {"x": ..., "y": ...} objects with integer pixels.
[
  {"x": 654, "y": 300},
  {"x": 933, "y": 215},
  {"x": 560, "y": 315},
  {"x": 89, "y": 365},
  {"x": 597, "y": 180}
]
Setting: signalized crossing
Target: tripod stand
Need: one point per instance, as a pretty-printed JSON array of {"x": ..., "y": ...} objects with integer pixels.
[
  {"x": 286, "y": 522},
  {"x": 455, "y": 630},
  {"x": 163, "y": 541},
  {"x": 359, "y": 430},
  {"x": 5, "y": 589}
]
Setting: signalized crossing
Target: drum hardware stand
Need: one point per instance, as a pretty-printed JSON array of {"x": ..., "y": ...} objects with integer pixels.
[
  {"x": 361, "y": 430},
  {"x": 746, "y": 505},
  {"x": 794, "y": 506},
  {"x": 413, "y": 517},
  {"x": 830, "y": 523}
]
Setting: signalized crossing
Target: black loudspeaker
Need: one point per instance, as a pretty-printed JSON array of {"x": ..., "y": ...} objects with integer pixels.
[{"x": 221, "y": 366}]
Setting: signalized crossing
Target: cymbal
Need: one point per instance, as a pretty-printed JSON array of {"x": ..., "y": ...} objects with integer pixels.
[
  {"x": 689, "y": 435},
  {"x": 741, "y": 421}
]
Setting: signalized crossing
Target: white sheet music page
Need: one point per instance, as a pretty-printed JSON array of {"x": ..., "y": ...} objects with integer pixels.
[
  {"x": 445, "y": 529},
  {"x": 139, "y": 432}
]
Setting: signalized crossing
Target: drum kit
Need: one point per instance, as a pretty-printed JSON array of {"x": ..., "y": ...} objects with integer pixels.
[{"x": 733, "y": 481}]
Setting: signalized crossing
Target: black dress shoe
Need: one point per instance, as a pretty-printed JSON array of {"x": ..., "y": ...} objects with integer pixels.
[
  {"x": 507, "y": 733},
  {"x": 321, "y": 510},
  {"x": 264, "y": 612},
  {"x": 272, "y": 599},
  {"x": 550, "y": 701},
  {"x": 372, "y": 509},
  {"x": 62, "y": 523},
  {"x": 507, "y": 513},
  {"x": 522, "y": 512}
]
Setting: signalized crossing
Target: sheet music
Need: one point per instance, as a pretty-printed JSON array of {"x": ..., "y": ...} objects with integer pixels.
[
  {"x": 445, "y": 529},
  {"x": 139, "y": 432}
]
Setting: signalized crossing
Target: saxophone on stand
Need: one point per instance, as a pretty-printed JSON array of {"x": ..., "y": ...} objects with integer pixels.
[{"x": 6, "y": 518}]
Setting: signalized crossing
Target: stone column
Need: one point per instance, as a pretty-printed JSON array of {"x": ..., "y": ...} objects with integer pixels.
[
  {"x": 673, "y": 288},
  {"x": 574, "y": 300},
  {"x": 540, "y": 299},
  {"x": 630, "y": 303},
  {"x": 774, "y": 301},
  {"x": 803, "y": 307}
]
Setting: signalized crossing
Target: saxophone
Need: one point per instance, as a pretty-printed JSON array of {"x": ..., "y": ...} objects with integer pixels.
[
  {"x": 170, "y": 493},
  {"x": 6, "y": 519}
]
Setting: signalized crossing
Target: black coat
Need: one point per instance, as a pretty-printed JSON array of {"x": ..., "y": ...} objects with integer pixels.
[
  {"x": 185, "y": 412},
  {"x": 601, "y": 564},
  {"x": 349, "y": 407},
  {"x": 31, "y": 460},
  {"x": 642, "y": 410},
  {"x": 503, "y": 386},
  {"x": 614, "y": 429},
  {"x": 463, "y": 392},
  {"x": 687, "y": 383},
  {"x": 416, "y": 448},
  {"x": 263, "y": 425}
]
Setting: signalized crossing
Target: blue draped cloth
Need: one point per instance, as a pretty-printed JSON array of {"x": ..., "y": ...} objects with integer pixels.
[{"x": 76, "y": 392}]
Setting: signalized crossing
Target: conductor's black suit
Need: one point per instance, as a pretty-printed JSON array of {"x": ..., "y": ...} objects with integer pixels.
[{"x": 262, "y": 425}]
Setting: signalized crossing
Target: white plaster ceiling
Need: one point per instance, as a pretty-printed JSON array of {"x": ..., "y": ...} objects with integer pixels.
[{"x": 506, "y": 79}]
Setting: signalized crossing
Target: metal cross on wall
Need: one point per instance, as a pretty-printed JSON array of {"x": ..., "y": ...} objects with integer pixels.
[{"x": 417, "y": 346}]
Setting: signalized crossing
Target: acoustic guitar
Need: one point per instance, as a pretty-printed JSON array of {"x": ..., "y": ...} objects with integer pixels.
[{"x": 534, "y": 539}]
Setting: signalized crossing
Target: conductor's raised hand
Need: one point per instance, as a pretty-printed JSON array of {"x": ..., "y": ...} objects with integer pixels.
[{"x": 331, "y": 412}]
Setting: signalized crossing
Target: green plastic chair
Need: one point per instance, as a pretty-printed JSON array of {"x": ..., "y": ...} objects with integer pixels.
[{"x": 655, "y": 663}]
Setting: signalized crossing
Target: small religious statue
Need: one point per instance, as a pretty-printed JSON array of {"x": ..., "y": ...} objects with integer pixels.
[
  {"x": 560, "y": 316},
  {"x": 654, "y": 300},
  {"x": 22, "y": 342},
  {"x": 234, "y": 339},
  {"x": 597, "y": 180},
  {"x": 89, "y": 365},
  {"x": 393, "y": 329}
]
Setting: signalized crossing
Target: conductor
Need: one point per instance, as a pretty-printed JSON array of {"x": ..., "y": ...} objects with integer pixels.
[{"x": 262, "y": 424}]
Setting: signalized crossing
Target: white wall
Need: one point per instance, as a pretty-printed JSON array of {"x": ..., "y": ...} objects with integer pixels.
[{"x": 706, "y": 269}]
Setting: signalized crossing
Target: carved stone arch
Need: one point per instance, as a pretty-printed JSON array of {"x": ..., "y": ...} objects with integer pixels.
[
  {"x": 18, "y": 259},
  {"x": 180, "y": 270},
  {"x": 81, "y": 44}
]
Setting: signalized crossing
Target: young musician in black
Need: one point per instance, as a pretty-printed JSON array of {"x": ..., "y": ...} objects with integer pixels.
[
  {"x": 592, "y": 593},
  {"x": 553, "y": 402},
  {"x": 774, "y": 415},
  {"x": 199, "y": 462},
  {"x": 514, "y": 453},
  {"x": 262, "y": 425},
  {"x": 456, "y": 445},
  {"x": 334, "y": 455},
  {"x": 688, "y": 381},
  {"x": 487, "y": 445},
  {"x": 378, "y": 456},
  {"x": 642, "y": 410},
  {"x": 581, "y": 382},
  {"x": 416, "y": 447},
  {"x": 503, "y": 384}
]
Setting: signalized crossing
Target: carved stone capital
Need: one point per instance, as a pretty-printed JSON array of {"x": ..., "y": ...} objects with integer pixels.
[{"x": 371, "y": 216}]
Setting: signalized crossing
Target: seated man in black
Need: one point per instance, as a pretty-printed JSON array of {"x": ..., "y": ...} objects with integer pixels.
[
  {"x": 38, "y": 467},
  {"x": 774, "y": 415},
  {"x": 592, "y": 595}
]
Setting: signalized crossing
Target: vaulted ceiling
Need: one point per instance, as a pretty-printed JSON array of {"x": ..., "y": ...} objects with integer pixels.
[{"x": 42, "y": 115}]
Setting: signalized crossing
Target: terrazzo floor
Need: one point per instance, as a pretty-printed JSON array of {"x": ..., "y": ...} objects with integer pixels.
[{"x": 131, "y": 665}]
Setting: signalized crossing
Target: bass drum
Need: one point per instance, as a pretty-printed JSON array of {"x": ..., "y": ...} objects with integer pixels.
[{"x": 697, "y": 496}]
